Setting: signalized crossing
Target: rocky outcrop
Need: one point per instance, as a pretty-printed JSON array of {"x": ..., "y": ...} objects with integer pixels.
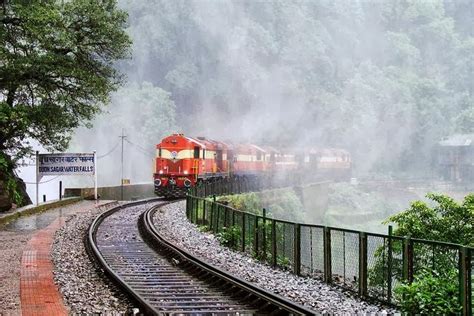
[{"x": 6, "y": 201}]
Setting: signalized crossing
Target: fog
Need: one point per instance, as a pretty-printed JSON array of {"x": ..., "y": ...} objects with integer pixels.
[{"x": 385, "y": 80}]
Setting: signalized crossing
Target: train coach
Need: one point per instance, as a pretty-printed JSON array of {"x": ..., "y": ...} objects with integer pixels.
[{"x": 183, "y": 162}]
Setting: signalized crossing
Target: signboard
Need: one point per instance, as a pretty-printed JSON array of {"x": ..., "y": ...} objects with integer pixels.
[
  {"x": 66, "y": 164},
  {"x": 125, "y": 181}
]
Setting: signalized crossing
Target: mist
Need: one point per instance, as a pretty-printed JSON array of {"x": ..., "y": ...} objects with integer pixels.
[{"x": 385, "y": 80}]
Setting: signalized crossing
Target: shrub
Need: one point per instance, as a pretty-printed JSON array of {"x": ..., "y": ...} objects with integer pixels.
[
  {"x": 228, "y": 236},
  {"x": 430, "y": 294}
]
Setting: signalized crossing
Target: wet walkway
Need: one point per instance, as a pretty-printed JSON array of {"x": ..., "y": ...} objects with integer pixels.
[{"x": 26, "y": 270}]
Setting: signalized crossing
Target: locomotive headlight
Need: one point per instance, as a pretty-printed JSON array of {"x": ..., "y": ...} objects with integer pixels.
[
  {"x": 185, "y": 171},
  {"x": 160, "y": 172}
]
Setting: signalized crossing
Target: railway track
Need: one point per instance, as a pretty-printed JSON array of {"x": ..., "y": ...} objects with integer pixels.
[{"x": 164, "y": 279}]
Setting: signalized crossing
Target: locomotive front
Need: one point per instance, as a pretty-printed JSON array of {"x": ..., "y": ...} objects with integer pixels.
[{"x": 176, "y": 167}]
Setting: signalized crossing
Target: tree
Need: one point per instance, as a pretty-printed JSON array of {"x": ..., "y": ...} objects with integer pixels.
[
  {"x": 434, "y": 289},
  {"x": 448, "y": 221},
  {"x": 144, "y": 129},
  {"x": 56, "y": 70}
]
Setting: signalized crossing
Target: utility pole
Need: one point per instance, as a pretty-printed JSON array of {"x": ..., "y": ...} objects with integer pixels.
[{"x": 121, "y": 173}]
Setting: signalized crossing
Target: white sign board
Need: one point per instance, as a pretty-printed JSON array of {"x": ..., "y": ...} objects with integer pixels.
[{"x": 66, "y": 164}]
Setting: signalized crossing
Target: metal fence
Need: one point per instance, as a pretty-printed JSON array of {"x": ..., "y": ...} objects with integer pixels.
[{"x": 370, "y": 265}]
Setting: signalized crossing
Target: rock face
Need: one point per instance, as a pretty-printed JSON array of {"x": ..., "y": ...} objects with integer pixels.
[{"x": 6, "y": 200}]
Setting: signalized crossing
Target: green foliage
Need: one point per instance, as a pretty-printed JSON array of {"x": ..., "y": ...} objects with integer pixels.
[
  {"x": 281, "y": 204},
  {"x": 406, "y": 80},
  {"x": 146, "y": 113},
  {"x": 435, "y": 286},
  {"x": 447, "y": 221},
  {"x": 8, "y": 177},
  {"x": 203, "y": 228},
  {"x": 430, "y": 294},
  {"x": 56, "y": 69},
  {"x": 247, "y": 202},
  {"x": 228, "y": 236},
  {"x": 283, "y": 261}
]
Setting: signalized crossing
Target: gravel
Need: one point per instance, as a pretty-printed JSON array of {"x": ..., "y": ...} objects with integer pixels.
[
  {"x": 84, "y": 290},
  {"x": 317, "y": 295},
  {"x": 13, "y": 241},
  {"x": 11, "y": 248}
]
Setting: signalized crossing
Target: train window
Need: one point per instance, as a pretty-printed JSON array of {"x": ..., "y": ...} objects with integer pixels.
[
  {"x": 159, "y": 152},
  {"x": 196, "y": 152},
  {"x": 259, "y": 155},
  {"x": 203, "y": 154}
]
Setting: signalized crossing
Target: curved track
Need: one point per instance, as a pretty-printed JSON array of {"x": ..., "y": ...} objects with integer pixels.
[{"x": 166, "y": 280}]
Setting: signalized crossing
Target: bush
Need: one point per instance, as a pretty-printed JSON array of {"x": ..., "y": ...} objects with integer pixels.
[
  {"x": 228, "y": 236},
  {"x": 430, "y": 294},
  {"x": 434, "y": 290}
]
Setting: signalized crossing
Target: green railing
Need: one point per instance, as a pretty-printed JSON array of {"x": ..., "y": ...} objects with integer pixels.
[{"x": 370, "y": 265}]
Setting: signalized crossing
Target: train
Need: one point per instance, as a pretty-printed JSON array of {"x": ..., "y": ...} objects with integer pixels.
[{"x": 183, "y": 162}]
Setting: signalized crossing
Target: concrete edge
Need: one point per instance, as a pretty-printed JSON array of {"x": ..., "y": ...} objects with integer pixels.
[{"x": 30, "y": 209}]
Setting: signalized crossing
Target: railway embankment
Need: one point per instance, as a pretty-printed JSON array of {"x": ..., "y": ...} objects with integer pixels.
[{"x": 312, "y": 293}]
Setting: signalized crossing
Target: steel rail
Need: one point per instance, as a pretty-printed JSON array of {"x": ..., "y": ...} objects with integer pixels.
[
  {"x": 151, "y": 279},
  {"x": 92, "y": 247},
  {"x": 276, "y": 303}
]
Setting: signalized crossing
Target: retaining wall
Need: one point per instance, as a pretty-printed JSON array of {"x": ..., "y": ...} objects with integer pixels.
[{"x": 130, "y": 192}]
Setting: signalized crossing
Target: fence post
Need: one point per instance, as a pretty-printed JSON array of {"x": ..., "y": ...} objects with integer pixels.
[
  {"x": 465, "y": 291},
  {"x": 243, "y": 232},
  {"x": 389, "y": 264},
  {"x": 196, "y": 215},
  {"x": 226, "y": 217},
  {"x": 274, "y": 243},
  {"x": 196, "y": 207},
  {"x": 187, "y": 206},
  {"x": 218, "y": 217},
  {"x": 264, "y": 235},
  {"x": 327, "y": 255},
  {"x": 408, "y": 259},
  {"x": 203, "y": 220},
  {"x": 362, "y": 264},
  {"x": 297, "y": 249},
  {"x": 234, "y": 239},
  {"x": 255, "y": 238}
]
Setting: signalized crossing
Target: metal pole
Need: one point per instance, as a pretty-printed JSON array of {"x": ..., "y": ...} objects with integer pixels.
[
  {"x": 95, "y": 175},
  {"x": 121, "y": 170},
  {"x": 60, "y": 190},
  {"x": 297, "y": 249},
  {"x": 362, "y": 264},
  {"x": 390, "y": 260},
  {"x": 37, "y": 178}
]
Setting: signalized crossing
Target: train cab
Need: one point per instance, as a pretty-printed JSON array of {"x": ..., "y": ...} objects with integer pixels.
[{"x": 183, "y": 161}]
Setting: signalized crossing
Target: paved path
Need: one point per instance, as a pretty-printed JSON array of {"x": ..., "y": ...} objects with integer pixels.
[{"x": 38, "y": 293}]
